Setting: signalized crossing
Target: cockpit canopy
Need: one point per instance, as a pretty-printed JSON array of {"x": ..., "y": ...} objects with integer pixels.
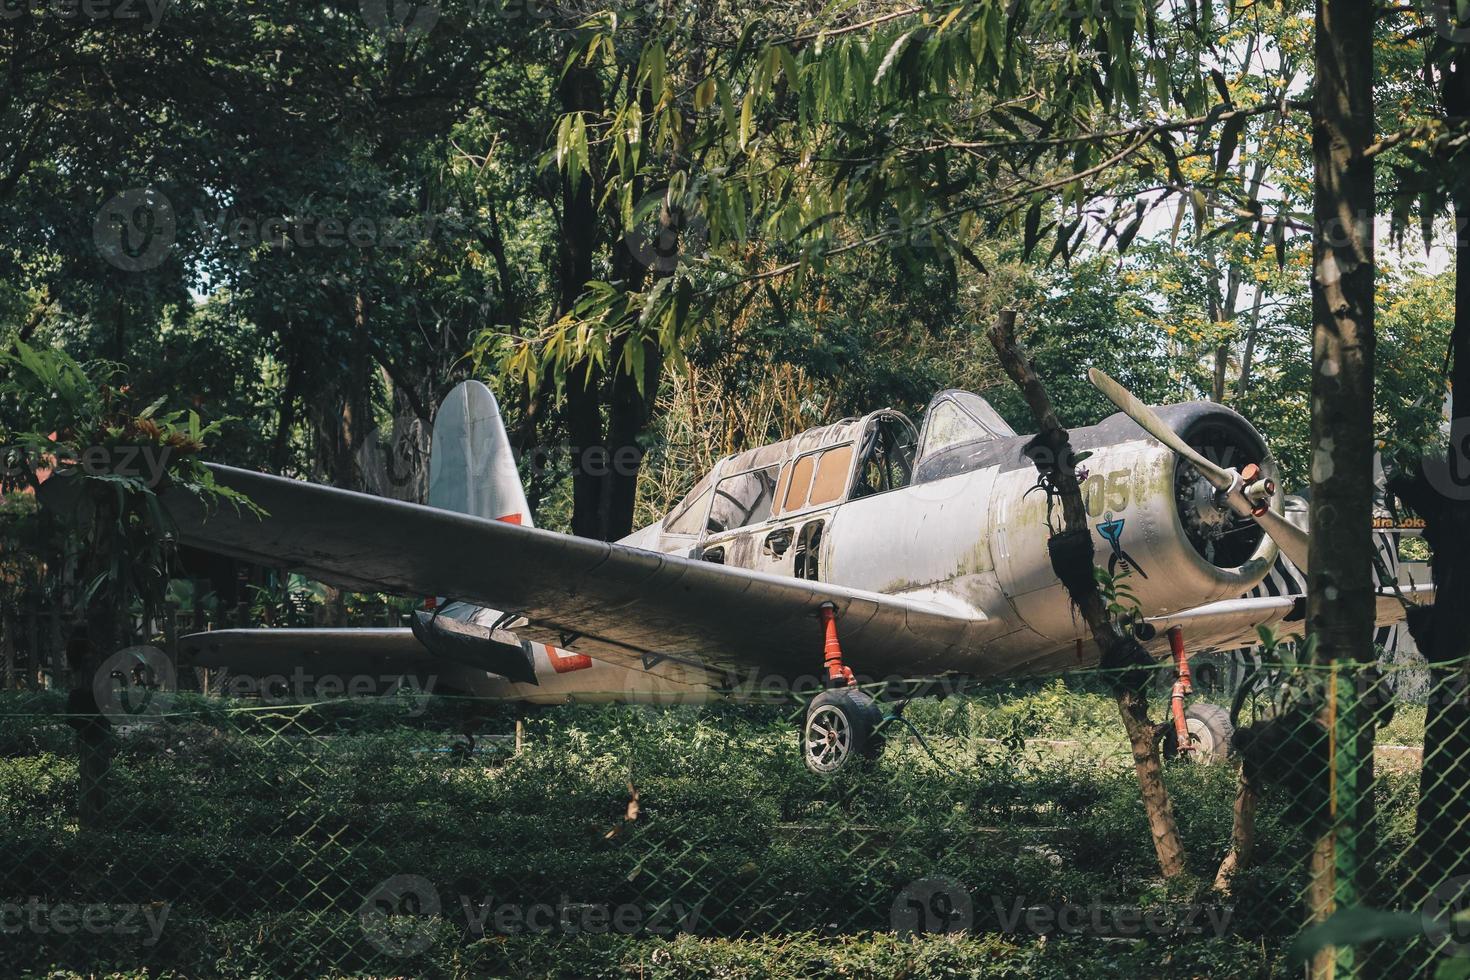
[
  {"x": 955, "y": 417},
  {"x": 846, "y": 460},
  {"x": 958, "y": 425},
  {"x": 780, "y": 478}
]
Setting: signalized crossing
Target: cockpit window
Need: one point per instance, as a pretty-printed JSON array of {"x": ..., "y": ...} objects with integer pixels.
[
  {"x": 688, "y": 516},
  {"x": 958, "y": 417},
  {"x": 799, "y": 483},
  {"x": 830, "y": 481},
  {"x": 815, "y": 479},
  {"x": 743, "y": 499},
  {"x": 888, "y": 456},
  {"x": 980, "y": 410},
  {"x": 949, "y": 425}
]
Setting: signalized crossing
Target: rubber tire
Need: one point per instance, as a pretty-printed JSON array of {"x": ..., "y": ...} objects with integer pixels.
[
  {"x": 1215, "y": 722},
  {"x": 862, "y": 715}
]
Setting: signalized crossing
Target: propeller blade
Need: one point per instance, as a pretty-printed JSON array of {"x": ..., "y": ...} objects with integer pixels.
[
  {"x": 1136, "y": 410},
  {"x": 1291, "y": 539}
]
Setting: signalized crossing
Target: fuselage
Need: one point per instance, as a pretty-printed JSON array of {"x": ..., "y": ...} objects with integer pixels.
[{"x": 953, "y": 516}]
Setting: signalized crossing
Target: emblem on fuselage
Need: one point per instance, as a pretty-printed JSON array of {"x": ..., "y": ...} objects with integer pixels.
[{"x": 1111, "y": 528}]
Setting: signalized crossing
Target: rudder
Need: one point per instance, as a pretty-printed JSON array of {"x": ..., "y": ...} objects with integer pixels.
[{"x": 471, "y": 467}]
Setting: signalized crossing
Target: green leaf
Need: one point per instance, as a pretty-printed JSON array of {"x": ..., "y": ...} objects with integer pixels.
[
  {"x": 1030, "y": 231},
  {"x": 563, "y": 139},
  {"x": 745, "y": 38},
  {"x": 995, "y": 27},
  {"x": 683, "y": 297},
  {"x": 1355, "y": 926},
  {"x": 577, "y": 155},
  {"x": 891, "y": 58},
  {"x": 704, "y": 94},
  {"x": 1125, "y": 237},
  {"x": 727, "y": 106},
  {"x": 1229, "y": 140},
  {"x": 651, "y": 68},
  {"x": 1223, "y": 89},
  {"x": 1309, "y": 648},
  {"x": 788, "y": 64}
]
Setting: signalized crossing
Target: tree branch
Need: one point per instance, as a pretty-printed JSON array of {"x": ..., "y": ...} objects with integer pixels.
[{"x": 1071, "y": 556}]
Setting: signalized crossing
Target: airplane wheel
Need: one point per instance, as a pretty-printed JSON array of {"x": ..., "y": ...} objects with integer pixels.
[
  {"x": 839, "y": 729},
  {"x": 1210, "y": 731}
]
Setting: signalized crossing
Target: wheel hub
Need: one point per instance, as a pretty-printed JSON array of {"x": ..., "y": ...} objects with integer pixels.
[{"x": 828, "y": 739}]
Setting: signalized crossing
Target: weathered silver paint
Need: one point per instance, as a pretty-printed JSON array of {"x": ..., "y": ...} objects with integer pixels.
[
  {"x": 947, "y": 575},
  {"x": 471, "y": 467}
]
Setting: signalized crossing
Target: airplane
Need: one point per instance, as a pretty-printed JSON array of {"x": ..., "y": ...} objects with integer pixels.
[{"x": 834, "y": 562}]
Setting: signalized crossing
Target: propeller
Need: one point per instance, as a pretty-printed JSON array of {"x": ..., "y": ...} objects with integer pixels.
[{"x": 1247, "y": 492}]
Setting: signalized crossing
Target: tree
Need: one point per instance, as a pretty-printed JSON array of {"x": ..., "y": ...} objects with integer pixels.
[
  {"x": 1340, "y": 600},
  {"x": 1071, "y": 557},
  {"x": 110, "y": 464},
  {"x": 1429, "y": 177}
]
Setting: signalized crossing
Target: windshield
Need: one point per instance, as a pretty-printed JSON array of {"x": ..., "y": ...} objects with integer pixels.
[
  {"x": 687, "y": 517},
  {"x": 958, "y": 417}
]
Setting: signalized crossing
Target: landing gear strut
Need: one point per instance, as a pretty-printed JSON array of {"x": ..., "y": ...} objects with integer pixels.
[
  {"x": 841, "y": 722},
  {"x": 1202, "y": 732},
  {"x": 1182, "y": 688}
]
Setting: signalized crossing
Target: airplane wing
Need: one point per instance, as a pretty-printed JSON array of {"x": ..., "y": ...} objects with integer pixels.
[
  {"x": 606, "y": 600},
  {"x": 1232, "y": 623}
]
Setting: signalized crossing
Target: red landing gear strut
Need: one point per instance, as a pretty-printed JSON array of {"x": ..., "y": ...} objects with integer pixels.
[
  {"x": 842, "y": 722},
  {"x": 838, "y": 675},
  {"x": 1182, "y": 688}
]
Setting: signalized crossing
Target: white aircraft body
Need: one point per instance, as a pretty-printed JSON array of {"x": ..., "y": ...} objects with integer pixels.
[{"x": 865, "y": 549}]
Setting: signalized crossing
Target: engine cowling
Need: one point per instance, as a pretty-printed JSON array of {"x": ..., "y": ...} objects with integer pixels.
[{"x": 1157, "y": 526}]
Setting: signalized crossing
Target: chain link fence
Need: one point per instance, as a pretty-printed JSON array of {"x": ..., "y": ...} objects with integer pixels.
[{"x": 405, "y": 834}]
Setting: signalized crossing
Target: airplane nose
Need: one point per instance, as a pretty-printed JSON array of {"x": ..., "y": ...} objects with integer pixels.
[{"x": 1218, "y": 534}]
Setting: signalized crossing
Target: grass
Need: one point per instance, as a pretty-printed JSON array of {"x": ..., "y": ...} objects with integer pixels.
[{"x": 266, "y": 833}]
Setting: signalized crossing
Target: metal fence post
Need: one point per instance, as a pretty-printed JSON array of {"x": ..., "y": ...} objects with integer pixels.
[
  {"x": 1346, "y": 801},
  {"x": 7, "y": 649}
]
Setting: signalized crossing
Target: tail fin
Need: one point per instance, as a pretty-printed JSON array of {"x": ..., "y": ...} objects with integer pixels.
[{"x": 471, "y": 467}]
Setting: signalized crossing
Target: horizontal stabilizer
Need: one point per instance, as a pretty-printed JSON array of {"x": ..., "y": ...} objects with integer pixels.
[{"x": 315, "y": 652}]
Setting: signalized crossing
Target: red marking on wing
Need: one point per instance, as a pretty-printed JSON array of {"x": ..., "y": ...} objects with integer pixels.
[
  {"x": 563, "y": 661},
  {"x": 511, "y": 519}
]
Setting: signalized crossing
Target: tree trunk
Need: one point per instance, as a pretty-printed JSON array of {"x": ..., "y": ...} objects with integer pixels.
[
  {"x": 1340, "y": 597},
  {"x": 280, "y": 453},
  {"x": 1144, "y": 741},
  {"x": 1243, "y": 382},
  {"x": 1442, "y": 497},
  {"x": 1052, "y": 453},
  {"x": 341, "y": 413},
  {"x": 1442, "y": 631},
  {"x": 588, "y": 450},
  {"x": 629, "y": 412},
  {"x": 1242, "y": 833},
  {"x": 579, "y": 92},
  {"x": 88, "y": 646},
  {"x": 607, "y": 411}
]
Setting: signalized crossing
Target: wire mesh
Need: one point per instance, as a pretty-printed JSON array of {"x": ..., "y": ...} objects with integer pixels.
[{"x": 411, "y": 834}]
